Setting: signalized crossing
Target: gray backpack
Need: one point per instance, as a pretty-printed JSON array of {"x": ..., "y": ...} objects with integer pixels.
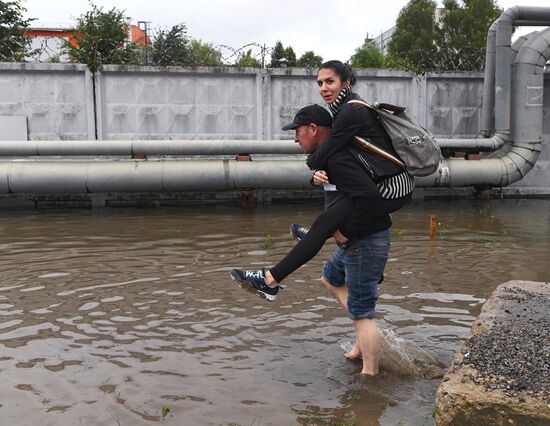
[{"x": 415, "y": 145}]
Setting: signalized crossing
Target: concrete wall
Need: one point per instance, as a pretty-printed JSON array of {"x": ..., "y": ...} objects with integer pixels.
[
  {"x": 59, "y": 102},
  {"x": 213, "y": 103},
  {"x": 56, "y": 99}
]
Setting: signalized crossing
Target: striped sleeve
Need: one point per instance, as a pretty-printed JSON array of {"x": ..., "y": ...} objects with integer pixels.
[{"x": 396, "y": 186}]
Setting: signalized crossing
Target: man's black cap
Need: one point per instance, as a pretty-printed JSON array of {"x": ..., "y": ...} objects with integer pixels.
[{"x": 310, "y": 114}]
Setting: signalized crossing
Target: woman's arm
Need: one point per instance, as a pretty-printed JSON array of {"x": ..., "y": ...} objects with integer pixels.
[{"x": 347, "y": 123}]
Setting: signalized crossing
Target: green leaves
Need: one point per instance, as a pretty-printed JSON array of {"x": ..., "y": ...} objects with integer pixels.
[
  {"x": 414, "y": 36},
  {"x": 449, "y": 39},
  {"x": 368, "y": 56},
  {"x": 101, "y": 39},
  {"x": 247, "y": 60},
  {"x": 171, "y": 47},
  {"x": 204, "y": 53},
  {"x": 310, "y": 60},
  {"x": 279, "y": 53},
  {"x": 13, "y": 42}
]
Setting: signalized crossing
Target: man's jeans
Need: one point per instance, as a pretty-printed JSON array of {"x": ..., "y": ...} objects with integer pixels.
[{"x": 360, "y": 268}]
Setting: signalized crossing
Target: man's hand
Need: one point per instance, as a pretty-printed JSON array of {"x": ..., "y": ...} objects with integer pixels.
[
  {"x": 320, "y": 177},
  {"x": 338, "y": 236}
]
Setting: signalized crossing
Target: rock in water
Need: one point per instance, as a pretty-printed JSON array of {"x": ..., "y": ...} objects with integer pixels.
[{"x": 501, "y": 375}]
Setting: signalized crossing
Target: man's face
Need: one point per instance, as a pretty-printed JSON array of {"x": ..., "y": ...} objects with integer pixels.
[{"x": 307, "y": 137}]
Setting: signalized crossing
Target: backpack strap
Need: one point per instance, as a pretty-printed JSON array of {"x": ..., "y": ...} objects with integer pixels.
[
  {"x": 379, "y": 151},
  {"x": 358, "y": 102}
]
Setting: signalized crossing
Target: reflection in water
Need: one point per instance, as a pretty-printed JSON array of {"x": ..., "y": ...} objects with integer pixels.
[{"x": 109, "y": 316}]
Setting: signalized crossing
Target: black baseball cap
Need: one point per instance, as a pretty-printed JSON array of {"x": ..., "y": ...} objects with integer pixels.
[{"x": 310, "y": 114}]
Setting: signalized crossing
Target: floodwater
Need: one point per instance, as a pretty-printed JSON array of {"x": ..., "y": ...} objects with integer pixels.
[{"x": 128, "y": 316}]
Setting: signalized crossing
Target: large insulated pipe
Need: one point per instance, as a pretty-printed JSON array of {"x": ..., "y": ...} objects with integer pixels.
[
  {"x": 497, "y": 81},
  {"x": 146, "y": 147},
  {"x": 526, "y": 127},
  {"x": 29, "y": 176},
  {"x": 487, "y": 125},
  {"x": 487, "y": 111}
]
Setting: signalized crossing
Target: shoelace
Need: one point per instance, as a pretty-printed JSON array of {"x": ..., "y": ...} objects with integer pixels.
[{"x": 257, "y": 275}]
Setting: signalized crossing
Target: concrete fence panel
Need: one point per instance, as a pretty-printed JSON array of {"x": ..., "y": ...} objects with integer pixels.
[
  {"x": 177, "y": 103},
  {"x": 56, "y": 99}
]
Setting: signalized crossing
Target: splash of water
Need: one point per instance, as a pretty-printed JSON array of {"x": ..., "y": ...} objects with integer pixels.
[{"x": 404, "y": 357}]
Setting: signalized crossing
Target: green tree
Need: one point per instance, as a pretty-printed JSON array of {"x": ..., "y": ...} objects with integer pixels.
[
  {"x": 310, "y": 60},
  {"x": 414, "y": 39},
  {"x": 463, "y": 33},
  {"x": 171, "y": 47},
  {"x": 247, "y": 60},
  {"x": 290, "y": 57},
  {"x": 13, "y": 42},
  {"x": 204, "y": 53},
  {"x": 101, "y": 39},
  {"x": 367, "y": 56},
  {"x": 279, "y": 53}
]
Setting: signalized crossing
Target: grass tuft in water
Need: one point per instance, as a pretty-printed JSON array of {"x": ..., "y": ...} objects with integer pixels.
[
  {"x": 267, "y": 242},
  {"x": 397, "y": 233},
  {"x": 164, "y": 411}
]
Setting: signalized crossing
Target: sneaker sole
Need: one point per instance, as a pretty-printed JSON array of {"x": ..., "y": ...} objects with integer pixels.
[
  {"x": 294, "y": 236},
  {"x": 247, "y": 287}
]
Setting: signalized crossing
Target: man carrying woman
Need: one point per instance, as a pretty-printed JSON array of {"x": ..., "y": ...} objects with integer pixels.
[{"x": 361, "y": 189}]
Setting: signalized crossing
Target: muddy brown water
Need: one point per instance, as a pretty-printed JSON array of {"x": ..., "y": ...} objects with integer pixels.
[{"x": 116, "y": 316}]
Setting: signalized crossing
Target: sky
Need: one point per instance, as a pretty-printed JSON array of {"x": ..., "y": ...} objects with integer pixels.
[{"x": 331, "y": 28}]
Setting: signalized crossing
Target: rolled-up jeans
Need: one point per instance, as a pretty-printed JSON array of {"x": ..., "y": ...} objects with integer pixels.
[{"x": 360, "y": 267}]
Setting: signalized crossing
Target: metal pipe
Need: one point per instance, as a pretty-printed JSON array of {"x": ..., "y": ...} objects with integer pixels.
[
  {"x": 497, "y": 79},
  {"x": 487, "y": 106},
  {"x": 29, "y": 176},
  {"x": 505, "y": 24},
  {"x": 146, "y": 147},
  {"x": 526, "y": 127},
  {"x": 475, "y": 145}
]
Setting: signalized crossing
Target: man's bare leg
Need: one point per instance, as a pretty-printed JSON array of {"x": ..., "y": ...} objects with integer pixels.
[
  {"x": 341, "y": 294},
  {"x": 368, "y": 338}
]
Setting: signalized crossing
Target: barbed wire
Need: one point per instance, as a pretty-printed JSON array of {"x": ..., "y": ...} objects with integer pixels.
[
  {"x": 48, "y": 50},
  {"x": 235, "y": 53}
]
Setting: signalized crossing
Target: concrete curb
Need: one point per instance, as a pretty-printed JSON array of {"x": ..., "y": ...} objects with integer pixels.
[{"x": 501, "y": 375}]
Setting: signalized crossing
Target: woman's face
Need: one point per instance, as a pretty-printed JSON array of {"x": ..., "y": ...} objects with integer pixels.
[{"x": 329, "y": 84}]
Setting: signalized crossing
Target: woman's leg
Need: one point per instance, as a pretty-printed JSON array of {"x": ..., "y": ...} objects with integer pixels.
[{"x": 323, "y": 227}]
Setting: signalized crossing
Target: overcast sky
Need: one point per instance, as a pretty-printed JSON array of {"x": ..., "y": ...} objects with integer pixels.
[{"x": 331, "y": 28}]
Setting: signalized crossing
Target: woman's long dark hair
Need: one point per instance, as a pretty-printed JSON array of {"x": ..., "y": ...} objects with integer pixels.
[{"x": 341, "y": 69}]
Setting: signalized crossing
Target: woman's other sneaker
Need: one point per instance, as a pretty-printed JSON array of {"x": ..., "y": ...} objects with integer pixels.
[{"x": 298, "y": 232}]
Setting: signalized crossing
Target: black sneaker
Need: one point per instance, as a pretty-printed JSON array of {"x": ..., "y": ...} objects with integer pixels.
[
  {"x": 298, "y": 232},
  {"x": 254, "y": 282}
]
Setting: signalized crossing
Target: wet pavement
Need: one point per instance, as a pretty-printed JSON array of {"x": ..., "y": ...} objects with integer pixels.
[{"x": 116, "y": 316}]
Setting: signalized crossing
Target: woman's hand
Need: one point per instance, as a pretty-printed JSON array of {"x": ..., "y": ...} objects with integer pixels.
[{"x": 320, "y": 177}]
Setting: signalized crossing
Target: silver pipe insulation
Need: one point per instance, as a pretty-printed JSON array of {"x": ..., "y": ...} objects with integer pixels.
[
  {"x": 498, "y": 80},
  {"x": 131, "y": 148},
  {"x": 29, "y": 176},
  {"x": 487, "y": 112},
  {"x": 526, "y": 137}
]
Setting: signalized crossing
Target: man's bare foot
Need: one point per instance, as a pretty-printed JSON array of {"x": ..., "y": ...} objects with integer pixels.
[{"x": 354, "y": 352}]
